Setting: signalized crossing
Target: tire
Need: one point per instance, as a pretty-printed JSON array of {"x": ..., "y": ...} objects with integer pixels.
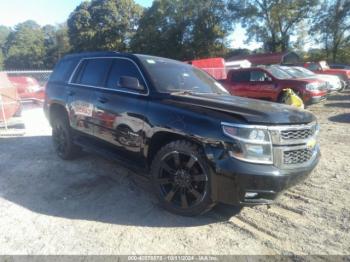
[
  {"x": 181, "y": 179},
  {"x": 62, "y": 138}
]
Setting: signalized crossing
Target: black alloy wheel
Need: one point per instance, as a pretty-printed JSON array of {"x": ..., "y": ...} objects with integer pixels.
[{"x": 182, "y": 179}]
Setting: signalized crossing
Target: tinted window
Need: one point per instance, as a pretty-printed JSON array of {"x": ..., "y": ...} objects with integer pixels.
[
  {"x": 243, "y": 76},
  {"x": 95, "y": 72},
  {"x": 63, "y": 70},
  {"x": 123, "y": 67}
]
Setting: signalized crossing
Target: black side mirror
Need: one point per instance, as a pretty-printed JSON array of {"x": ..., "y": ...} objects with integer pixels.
[{"x": 131, "y": 83}]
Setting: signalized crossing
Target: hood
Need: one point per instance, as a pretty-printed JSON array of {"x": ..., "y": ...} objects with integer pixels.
[
  {"x": 251, "y": 110},
  {"x": 329, "y": 78}
]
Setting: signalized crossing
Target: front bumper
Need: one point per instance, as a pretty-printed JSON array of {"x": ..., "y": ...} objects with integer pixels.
[{"x": 243, "y": 183}]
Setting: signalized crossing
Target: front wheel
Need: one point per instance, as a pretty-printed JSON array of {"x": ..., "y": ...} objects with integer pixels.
[{"x": 181, "y": 179}]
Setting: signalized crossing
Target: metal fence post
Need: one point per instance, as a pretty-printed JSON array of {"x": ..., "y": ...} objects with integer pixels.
[{"x": 3, "y": 111}]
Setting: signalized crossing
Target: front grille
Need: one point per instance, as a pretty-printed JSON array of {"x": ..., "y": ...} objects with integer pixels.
[
  {"x": 297, "y": 134},
  {"x": 299, "y": 156}
]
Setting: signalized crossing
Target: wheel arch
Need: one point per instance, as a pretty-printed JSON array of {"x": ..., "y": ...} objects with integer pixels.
[
  {"x": 162, "y": 138},
  {"x": 55, "y": 110}
]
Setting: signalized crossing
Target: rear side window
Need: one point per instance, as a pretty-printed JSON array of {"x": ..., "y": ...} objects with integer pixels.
[
  {"x": 93, "y": 72},
  {"x": 239, "y": 77},
  {"x": 63, "y": 70},
  {"x": 122, "y": 67}
]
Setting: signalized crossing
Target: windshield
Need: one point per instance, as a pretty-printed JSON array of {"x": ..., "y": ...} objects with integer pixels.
[
  {"x": 307, "y": 72},
  {"x": 278, "y": 73},
  {"x": 294, "y": 72},
  {"x": 170, "y": 76}
]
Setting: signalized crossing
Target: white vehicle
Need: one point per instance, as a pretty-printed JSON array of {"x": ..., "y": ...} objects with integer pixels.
[{"x": 334, "y": 82}]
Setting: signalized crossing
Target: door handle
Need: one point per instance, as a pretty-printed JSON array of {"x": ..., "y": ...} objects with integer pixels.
[{"x": 102, "y": 100}]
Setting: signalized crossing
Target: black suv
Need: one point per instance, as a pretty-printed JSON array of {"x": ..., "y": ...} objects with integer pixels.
[{"x": 199, "y": 145}]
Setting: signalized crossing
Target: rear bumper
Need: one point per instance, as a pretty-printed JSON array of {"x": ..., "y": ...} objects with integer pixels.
[{"x": 238, "y": 182}]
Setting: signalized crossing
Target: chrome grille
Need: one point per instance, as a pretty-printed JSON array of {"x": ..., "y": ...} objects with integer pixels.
[
  {"x": 297, "y": 134},
  {"x": 297, "y": 156}
]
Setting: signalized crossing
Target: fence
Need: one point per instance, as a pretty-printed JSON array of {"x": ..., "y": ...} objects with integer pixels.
[{"x": 42, "y": 76}]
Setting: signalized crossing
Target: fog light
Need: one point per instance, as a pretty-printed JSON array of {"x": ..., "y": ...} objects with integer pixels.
[{"x": 250, "y": 195}]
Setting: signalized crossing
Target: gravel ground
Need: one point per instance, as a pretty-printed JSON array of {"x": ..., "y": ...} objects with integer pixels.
[{"x": 94, "y": 206}]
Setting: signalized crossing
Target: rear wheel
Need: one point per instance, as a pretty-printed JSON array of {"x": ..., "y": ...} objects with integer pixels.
[
  {"x": 63, "y": 139},
  {"x": 181, "y": 179}
]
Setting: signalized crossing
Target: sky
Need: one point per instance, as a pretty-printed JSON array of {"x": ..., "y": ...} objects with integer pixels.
[{"x": 54, "y": 12}]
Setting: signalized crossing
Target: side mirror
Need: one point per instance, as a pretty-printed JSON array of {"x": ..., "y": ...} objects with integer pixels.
[{"x": 131, "y": 83}]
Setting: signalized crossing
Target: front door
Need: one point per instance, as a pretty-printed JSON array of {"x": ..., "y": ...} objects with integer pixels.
[{"x": 119, "y": 111}]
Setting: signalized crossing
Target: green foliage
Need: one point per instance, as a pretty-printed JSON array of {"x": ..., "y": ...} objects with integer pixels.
[
  {"x": 272, "y": 22},
  {"x": 1, "y": 61},
  {"x": 56, "y": 44},
  {"x": 332, "y": 28},
  {"x": 103, "y": 25},
  {"x": 183, "y": 29},
  {"x": 24, "y": 47}
]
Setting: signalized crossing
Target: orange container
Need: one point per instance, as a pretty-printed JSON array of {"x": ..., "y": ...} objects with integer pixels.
[{"x": 9, "y": 100}]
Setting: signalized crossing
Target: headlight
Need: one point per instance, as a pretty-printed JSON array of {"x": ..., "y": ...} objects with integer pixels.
[
  {"x": 250, "y": 144},
  {"x": 312, "y": 87}
]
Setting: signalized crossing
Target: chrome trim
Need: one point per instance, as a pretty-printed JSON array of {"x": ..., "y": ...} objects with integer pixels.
[
  {"x": 109, "y": 89},
  {"x": 279, "y": 153}
]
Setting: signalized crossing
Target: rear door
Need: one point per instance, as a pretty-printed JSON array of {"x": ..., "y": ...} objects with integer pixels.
[
  {"x": 120, "y": 112},
  {"x": 89, "y": 74}
]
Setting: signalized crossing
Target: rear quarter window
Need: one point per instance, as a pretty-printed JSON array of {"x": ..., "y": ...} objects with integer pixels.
[{"x": 63, "y": 70}]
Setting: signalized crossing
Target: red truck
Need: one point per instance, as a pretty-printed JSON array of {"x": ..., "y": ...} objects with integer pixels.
[
  {"x": 268, "y": 83},
  {"x": 323, "y": 68},
  {"x": 9, "y": 100},
  {"x": 28, "y": 88}
]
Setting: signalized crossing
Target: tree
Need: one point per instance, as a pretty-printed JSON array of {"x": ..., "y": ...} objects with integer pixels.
[
  {"x": 183, "y": 29},
  {"x": 103, "y": 25},
  {"x": 56, "y": 44},
  {"x": 272, "y": 22},
  {"x": 24, "y": 47},
  {"x": 332, "y": 24},
  {"x": 4, "y": 33},
  {"x": 1, "y": 61}
]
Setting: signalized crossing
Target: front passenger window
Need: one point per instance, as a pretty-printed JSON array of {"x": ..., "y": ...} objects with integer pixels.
[{"x": 123, "y": 68}]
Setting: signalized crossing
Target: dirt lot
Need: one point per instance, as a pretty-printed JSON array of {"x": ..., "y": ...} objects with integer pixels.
[{"x": 93, "y": 206}]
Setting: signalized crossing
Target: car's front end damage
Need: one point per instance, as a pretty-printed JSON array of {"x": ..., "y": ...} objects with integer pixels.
[{"x": 263, "y": 161}]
